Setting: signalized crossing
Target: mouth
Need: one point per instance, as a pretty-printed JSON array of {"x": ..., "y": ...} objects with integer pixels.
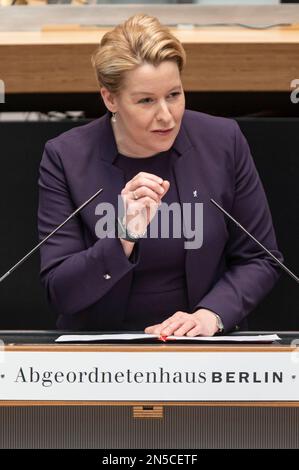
[{"x": 163, "y": 131}]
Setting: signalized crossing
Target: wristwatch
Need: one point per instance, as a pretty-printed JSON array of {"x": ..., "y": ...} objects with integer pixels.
[
  {"x": 219, "y": 323},
  {"x": 122, "y": 232}
]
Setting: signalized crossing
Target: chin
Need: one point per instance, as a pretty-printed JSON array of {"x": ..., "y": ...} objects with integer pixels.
[
  {"x": 167, "y": 146},
  {"x": 162, "y": 149},
  {"x": 163, "y": 146}
]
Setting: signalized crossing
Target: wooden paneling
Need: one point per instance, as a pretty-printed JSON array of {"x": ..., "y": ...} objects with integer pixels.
[{"x": 219, "y": 59}]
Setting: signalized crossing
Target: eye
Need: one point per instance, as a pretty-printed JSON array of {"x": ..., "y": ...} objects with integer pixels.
[
  {"x": 145, "y": 100},
  {"x": 174, "y": 94}
]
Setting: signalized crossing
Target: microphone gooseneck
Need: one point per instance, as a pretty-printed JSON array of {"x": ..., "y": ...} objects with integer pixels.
[
  {"x": 256, "y": 241},
  {"x": 13, "y": 268}
]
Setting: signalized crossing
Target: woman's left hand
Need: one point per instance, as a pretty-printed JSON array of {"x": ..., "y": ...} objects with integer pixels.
[{"x": 203, "y": 322}]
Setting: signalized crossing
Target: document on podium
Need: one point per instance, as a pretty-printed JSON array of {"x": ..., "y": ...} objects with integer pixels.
[{"x": 126, "y": 337}]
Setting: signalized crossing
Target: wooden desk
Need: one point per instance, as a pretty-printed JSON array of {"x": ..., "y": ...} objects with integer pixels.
[
  {"x": 148, "y": 424},
  {"x": 219, "y": 59},
  {"x": 104, "y": 351}
]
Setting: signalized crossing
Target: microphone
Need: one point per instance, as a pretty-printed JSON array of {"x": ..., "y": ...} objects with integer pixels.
[
  {"x": 256, "y": 241},
  {"x": 13, "y": 268}
]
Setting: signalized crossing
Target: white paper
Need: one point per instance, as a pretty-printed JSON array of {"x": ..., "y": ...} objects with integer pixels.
[
  {"x": 132, "y": 337},
  {"x": 118, "y": 337}
]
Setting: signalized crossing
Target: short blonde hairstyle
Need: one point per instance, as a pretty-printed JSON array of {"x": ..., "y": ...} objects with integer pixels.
[{"x": 140, "y": 39}]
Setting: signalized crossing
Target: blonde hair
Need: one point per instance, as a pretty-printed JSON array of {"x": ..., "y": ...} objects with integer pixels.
[{"x": 140, "y": 39}]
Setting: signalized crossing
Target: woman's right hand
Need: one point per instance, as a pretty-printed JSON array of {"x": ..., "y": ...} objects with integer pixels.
[{"x": 141, "y": 197}]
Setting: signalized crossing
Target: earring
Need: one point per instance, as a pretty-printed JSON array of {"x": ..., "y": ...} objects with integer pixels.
[{"x": 113, "y": 119}]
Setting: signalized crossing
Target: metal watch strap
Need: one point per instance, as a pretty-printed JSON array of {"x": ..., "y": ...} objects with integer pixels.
[{"x": 122, "y": 232}]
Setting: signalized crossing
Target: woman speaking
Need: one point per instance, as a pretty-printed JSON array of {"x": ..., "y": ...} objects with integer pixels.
[{"x": 153, "y": 155}]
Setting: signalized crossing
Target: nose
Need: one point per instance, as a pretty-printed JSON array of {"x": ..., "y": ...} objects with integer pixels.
[{"x": 163, "y": 113}]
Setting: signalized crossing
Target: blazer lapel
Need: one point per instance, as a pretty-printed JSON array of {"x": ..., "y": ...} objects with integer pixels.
[
  {"x": 194, "y": 177},
  {"x": 190, "y": 187},
  {"x": 195, "y": 188},
  {"x": 101, "y": 173}
]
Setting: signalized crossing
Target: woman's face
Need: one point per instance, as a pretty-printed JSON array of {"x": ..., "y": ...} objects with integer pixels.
[{"x": 149, "y": 109}]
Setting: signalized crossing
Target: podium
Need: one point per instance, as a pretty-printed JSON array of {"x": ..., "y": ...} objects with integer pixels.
[{"x": 132, "y": 396}]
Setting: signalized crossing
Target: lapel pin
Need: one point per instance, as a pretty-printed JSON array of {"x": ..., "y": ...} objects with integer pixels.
[{"x": 195, "y": 193}]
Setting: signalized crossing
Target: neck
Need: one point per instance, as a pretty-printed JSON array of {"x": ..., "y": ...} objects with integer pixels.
[{"x": 125, "y": 149}]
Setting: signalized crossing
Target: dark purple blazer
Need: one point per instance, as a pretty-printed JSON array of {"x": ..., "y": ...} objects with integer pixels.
[{"x": 229, "y": 274}]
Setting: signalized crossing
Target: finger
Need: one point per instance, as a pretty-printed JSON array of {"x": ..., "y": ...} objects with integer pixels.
[
  {"x": 153, "y": 329},
  {"x": 145, "y": 191},
  {"x": 198, "y": 330},
  {"x": 134, "y": 207},
  {"x": 157, "y": 329},
  {"x": 185, "y": 328},
  {"x": 167, "y": 322},
  {"x": 177, "y": 316},
  {"x": 150, "y": 176},
  {"x": 142, "y": 203},
  {"x": 173, "y": 326},
  {"x": 134, "y": 184},
  {"x": 166, "y": 186}
]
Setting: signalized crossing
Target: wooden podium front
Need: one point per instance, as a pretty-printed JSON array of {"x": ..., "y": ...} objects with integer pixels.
[{"x": 147, "y": 424}]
